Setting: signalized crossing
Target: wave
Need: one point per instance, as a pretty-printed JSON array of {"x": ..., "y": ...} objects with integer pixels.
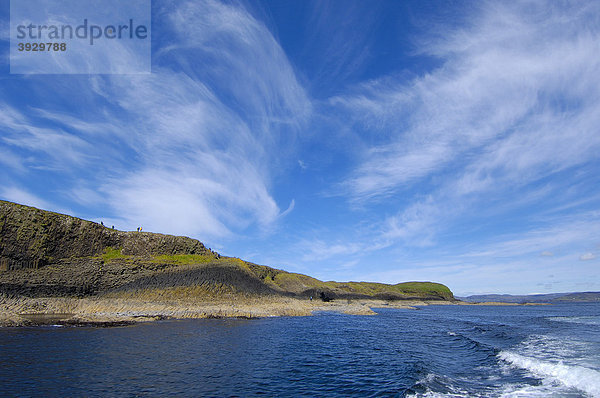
[
  {"x": 572, "y": 376},
  {"x": 550, "y": 348},
  {"x": 431, "y": 394},
  {"x": 464, "y": 341},
  {"x": 425, "y": 387},
  {"x": 583, "y": 320}
]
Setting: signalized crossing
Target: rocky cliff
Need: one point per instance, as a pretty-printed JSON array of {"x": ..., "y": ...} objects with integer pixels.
[
  {"x": 45, "y": 254},
  {"x": 33, "y": 238}
]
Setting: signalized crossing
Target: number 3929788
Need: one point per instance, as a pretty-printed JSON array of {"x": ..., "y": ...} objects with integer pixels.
[{"x": 42, "y": 47}]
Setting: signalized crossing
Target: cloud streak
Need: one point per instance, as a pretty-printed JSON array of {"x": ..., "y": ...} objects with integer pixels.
[
  {"x": 513, "y": 102},
  {"x": 587, "y": 256},
  {"x": 496, "y": 93}
]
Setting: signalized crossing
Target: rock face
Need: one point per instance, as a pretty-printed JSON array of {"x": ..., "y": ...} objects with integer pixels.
[{"x": 33, "y": 238}]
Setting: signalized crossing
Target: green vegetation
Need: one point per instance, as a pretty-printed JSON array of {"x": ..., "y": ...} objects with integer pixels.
[
  {"x": 184, "y": 259},
  {"x": 399, "y": 291},
  {"x": 298, "y": 283},
  {"x": 111, "y": 253},
  {"x": 424, "y": 287}
]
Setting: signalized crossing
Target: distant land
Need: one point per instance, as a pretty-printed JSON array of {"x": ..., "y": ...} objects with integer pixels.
[
  {"x": 58, "y": 268},
  {"x": 577, "y": 297}
]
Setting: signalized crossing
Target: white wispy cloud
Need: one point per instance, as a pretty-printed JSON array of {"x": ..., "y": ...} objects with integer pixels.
[
  {"x": 515, "y": 87},
  {"x": 559, "y": 236},
  {"x": 246, "y": 60},
  {"x": 415, "y": 225},
  {"x": 85, "y": 196},
  {"x": 289, "y": 209},
  {"x": 190, "y": 146},
  {"x": 11, "y": 160},
  {"x": 513, "y": 101},
  {"x": 319, "y": 250},
  {"x": 18, "y": 195},
  {"x": 60, "y": 146},
  {"x": 587, "y": 256}
]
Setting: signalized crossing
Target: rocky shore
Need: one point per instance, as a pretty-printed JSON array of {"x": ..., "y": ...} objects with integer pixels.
[{"x": 103, "y": 312}]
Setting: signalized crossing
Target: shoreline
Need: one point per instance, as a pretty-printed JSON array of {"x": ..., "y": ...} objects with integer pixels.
[{"x": 106, "y": 312}]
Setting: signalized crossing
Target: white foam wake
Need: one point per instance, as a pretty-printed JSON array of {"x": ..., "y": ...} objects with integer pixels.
[{"x": 579, "y": 377}]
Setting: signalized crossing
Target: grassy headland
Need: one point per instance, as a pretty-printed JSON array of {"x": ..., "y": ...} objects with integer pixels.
[{"x": 53, "y": 263}]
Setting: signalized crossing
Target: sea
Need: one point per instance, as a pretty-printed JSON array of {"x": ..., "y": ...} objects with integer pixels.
[{"x": 435, "y": 351}]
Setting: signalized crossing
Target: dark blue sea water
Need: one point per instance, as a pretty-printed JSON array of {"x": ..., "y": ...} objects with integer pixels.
[{"x": 453, "y": 351}]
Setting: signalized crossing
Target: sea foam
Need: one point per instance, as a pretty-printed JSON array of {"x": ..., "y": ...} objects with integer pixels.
[{"x": 579, "y": 377}]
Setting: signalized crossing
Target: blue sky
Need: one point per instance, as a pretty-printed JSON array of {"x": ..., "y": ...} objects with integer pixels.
[{"x": 388, "y": 141}]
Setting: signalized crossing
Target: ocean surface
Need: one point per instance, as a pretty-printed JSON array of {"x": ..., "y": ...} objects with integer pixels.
[{"x": 436, "y": 351}]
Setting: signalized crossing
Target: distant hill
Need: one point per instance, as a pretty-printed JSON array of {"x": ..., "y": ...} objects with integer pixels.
[
  {"x": 577, "y": 297},
  {"x": 46, "y": 254}
]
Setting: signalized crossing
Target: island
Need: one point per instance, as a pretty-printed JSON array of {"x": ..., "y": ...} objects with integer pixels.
[{"x": 59, "y": 269}]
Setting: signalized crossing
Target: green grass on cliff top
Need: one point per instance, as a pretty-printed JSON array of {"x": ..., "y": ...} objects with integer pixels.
[
  {"x": 406, "y": 288},
  {"x": 112, "y": 253},
  {"x": 298, "y": 283},
  {"x": 423, "y": 286},
  {"x": 184, "y": 259}
]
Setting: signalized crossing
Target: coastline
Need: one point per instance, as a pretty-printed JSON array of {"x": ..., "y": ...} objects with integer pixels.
[
  {"x": 55, "y": 268},
  {"x": 105, "y": 311}
]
